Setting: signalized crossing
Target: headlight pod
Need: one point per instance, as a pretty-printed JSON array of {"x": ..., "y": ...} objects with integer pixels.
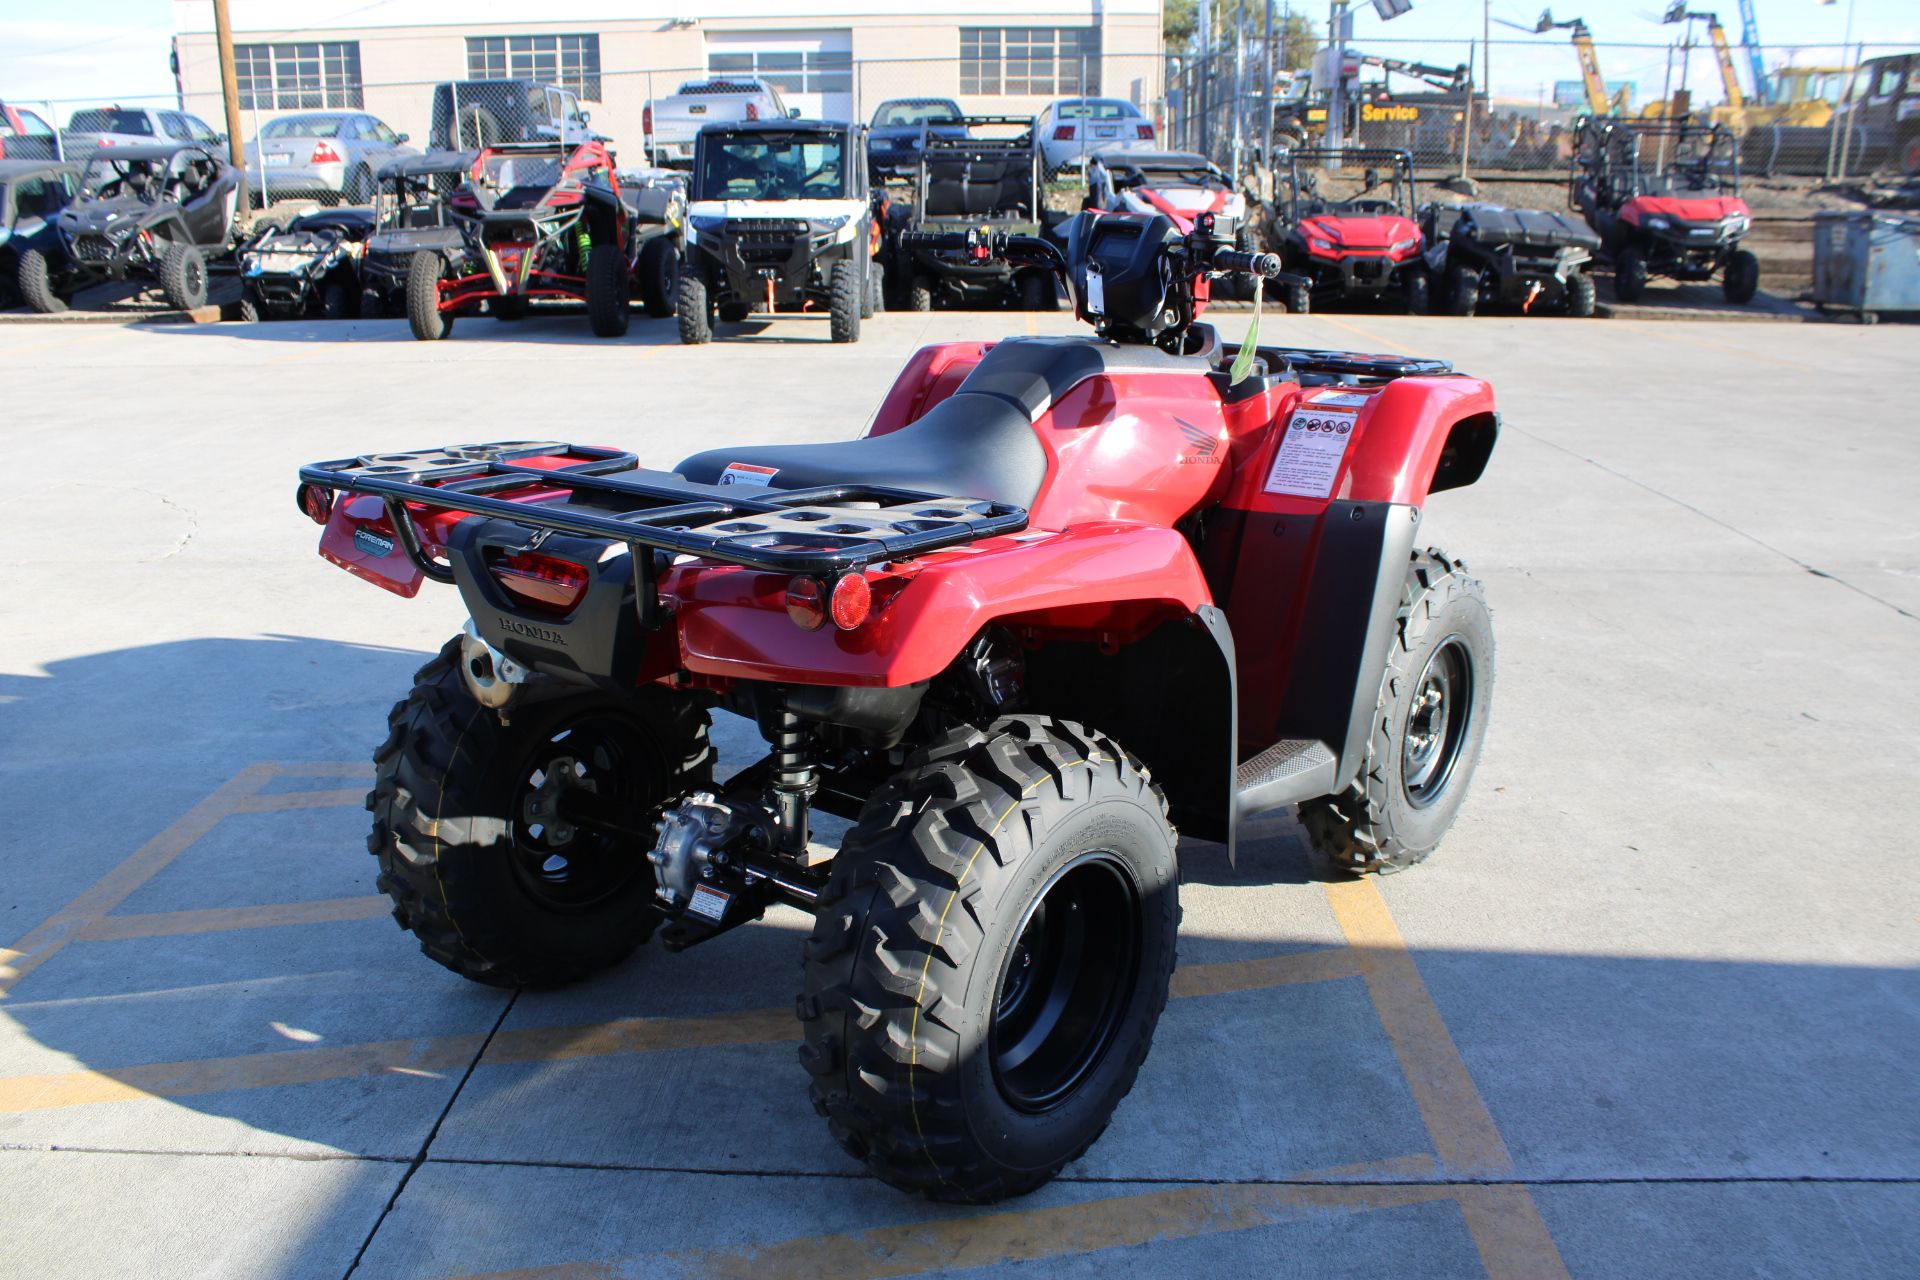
[
  {"x": 1401, "y": 246},
  {"x": 1324, "y": 246},
  {"x": 1655, "y": 222},
  {"x": 1735, "y": 224},
  {"x": 711, "y": 222},
  {"x": 833, "y": 228}
]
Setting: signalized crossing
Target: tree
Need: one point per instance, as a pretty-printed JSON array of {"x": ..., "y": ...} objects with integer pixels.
[{"x": 1293, "y": 31}]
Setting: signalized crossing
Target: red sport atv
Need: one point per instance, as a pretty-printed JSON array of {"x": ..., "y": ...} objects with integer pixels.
[
  {"x": 1066, "y": 594},
  {"x": 536, "y": 220},
  {"x": 1364, "y": 246},
  {"x": 1664, "y": 195}
]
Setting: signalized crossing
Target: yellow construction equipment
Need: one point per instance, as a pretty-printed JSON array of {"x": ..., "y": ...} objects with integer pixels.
[{"x": 1596, "y": 88}]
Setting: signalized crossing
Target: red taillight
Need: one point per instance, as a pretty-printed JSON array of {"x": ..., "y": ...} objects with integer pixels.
[
  {"x": 316, "y": 502},
  {"x": 753, "y": 111},
  {"x": 852, "y": 601},
  {"x": 541, "y": 582},
  {"x": 806, "y": 603},
  {"x": 1146, "y": 131},
  {"x": 646, "y": 118},
  {"x": 323, "y": 153},
  {"x": 1063, "y": 133}
]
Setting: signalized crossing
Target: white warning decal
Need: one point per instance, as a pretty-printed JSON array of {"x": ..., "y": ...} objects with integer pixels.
[
  {"x": 710, "y": 903},
  {"x": 1308, "y": 460},
  {"x": 747, "y": 473}
]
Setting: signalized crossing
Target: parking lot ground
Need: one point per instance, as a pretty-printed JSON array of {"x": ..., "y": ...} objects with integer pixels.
[{"x": 1651, "y": 1010}]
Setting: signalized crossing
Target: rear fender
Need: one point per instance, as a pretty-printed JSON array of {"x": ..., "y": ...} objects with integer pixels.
[
  {"x": 1107, "y": 584},
  {"x": 931, "y": 375}
]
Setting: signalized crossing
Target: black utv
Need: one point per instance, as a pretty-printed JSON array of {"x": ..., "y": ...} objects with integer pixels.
[
  {"x": 966, "y": 181},
  {"x": 410, "y": 216},
  {"x": 779, "y": 220},
  {"x": 1486, "y": 254},
  {"x": 146, "y": 212},
  {"x": 311, "y": 267}
]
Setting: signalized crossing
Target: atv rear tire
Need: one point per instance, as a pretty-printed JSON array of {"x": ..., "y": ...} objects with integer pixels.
[
  {"x": 1427, "y": 727},
  {"x": 609, "y": 291},
  {"x": 1742, "y": 277},
  {"x": 336, "y": 302},
  {"x": 1037, "y": 292},
  {"x": 870, "y": 301},
  {"x": 429, "y": 323},
  {"x": 1419, "y": 287},
  {"x": 34, "y": 276},
  {"x": 1629, "y": 275},
  {"x": 695, "y": 310},
  {"x": 1463, "y": 289},
  {"x": 1580, "y": 294},
  {"x": 920, "y": 294},
  {"x": 251, "y": 312},
  {"x": 659, "y": 274},
  {"x": 494, "y": 886},
  {"x": 183, "y": 277},
  {"x": 846, "y": 295},
  {"x": 1299, "y": 299},
  {"x": 990, "y": 957}
]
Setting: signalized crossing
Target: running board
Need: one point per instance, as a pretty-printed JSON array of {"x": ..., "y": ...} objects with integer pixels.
[{"x": 1289, "y": 771}]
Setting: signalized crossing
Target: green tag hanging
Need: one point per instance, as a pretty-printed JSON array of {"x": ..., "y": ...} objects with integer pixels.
[{"x": 1243, "y": 363}]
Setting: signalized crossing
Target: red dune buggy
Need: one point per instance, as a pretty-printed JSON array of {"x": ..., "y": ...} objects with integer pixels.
[
  {"x": 537, "y": 220},
  {"x": 1365, "y": 246},
  {"x": 1067, "y": 595}
]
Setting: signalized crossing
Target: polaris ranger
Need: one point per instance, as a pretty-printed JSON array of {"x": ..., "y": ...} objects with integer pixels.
[{"x": 779, "y": 220}]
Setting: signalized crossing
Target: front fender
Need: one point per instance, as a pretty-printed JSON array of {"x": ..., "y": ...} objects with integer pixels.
[
  {"x": 1421, "y": 435},
  {"x": 1102, "y": 582}
]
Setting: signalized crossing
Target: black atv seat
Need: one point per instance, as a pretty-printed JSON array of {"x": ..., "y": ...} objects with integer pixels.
[
  {"x": 977, "y": 443},
  {"x": 978, "y": 187}
]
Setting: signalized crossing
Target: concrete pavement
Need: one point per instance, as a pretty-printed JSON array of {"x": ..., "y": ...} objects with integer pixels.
[{"x": 1651, "y": 1010}]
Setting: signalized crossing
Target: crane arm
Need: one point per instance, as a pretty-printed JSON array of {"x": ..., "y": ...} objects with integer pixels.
[{"x": 1756, "y": 60}]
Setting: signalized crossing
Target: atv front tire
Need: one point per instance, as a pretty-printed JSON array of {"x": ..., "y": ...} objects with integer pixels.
[
  {"x": 920, "y": 295},
  {"x": 609, "y": 291},
  {"x": 846, "y": 294},
  {"x": 34, "y": 276},
  {"x": 1580, "y": 294},
  {"x": 695, "y": 309},
  {"x": 470, "y": 822},
  {"x": 1037, "y": 292},
  {"x": 183, "y": 277},
  {"x": 428, "y": 322},
  {"x": 872, "y": 301},
  {"x": 336, "y": 302},
  {"x": 659, "y": 274},
  {"x": 990, "y": 957},
  {"x": 1419, "y": 286},
  {"x": 1742, "y": 278},
  {"x": 1463, "y": 289},
  {"x": 1427, "y": 727},
  {"x": 1629, "y": 275},
  {"x": 1299, "y": 299}
]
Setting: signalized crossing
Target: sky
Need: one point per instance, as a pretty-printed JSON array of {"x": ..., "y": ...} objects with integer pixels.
[{"x": 119, "y": 49}]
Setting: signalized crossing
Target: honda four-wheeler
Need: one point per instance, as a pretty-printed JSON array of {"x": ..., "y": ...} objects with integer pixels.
[
  {"x": 985, "y": 174},
  {"x": 1664, "y": 196},
  {"x": 536, "y": 220},
  {"x": 1363, "y": 246},
  {"x": 148, "y": 212},
  {"x": 1525, "y": 258},
  {"x": 1067, "y": 593},
  {"x": 779, "y": 219},
  {"x": 410, "y": 217},
  {"x": 310, "y": 267}
]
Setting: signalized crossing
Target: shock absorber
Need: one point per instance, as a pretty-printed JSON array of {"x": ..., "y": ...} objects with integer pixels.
[{"x": 794, "y": 780}]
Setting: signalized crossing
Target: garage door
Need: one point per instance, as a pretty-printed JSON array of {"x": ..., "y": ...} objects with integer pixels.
[{"x": 813, "y": 70}]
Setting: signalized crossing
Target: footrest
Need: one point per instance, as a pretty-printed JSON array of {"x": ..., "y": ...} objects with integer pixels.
[{"x": 1289, "y": 771}]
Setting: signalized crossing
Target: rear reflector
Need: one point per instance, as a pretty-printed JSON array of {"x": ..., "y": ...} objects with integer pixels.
[
  {"x": 541, "y": 582},
  {"x": 316, "y": 502},
  {"x": 852, "y": 601}
]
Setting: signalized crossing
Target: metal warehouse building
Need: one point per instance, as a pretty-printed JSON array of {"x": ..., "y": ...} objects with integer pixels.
[{"x": 838, "y": 60}]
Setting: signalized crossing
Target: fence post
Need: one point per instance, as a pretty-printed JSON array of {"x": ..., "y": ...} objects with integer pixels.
[{"x": 1466, "y": 119}]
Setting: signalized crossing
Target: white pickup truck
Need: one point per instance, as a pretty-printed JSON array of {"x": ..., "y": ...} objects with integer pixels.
[{"x": 670, "y": 124}]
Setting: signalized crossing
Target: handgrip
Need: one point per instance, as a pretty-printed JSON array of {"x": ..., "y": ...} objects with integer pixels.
[
  {"x": 1258, "y": 264},
  {"x": 933, "y": 239}
]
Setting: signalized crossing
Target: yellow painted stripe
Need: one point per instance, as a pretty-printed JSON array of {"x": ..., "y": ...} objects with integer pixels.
[
  {"x": 1506, "y": 1227},
  {"x": 45, "y": 939},
  {"x": 544, "y": 1044},
  {"x": 969, "y": 1240},
  {"x": 166, "y": 924}
]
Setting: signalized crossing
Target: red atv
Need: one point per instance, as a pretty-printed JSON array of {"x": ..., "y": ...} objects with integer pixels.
[
  {"x": 1066, "y": 594},
  {"x": 1664, "y": 196},
  {"x": 1366, "y": 246},
  {"x": 536, "y": 220}
]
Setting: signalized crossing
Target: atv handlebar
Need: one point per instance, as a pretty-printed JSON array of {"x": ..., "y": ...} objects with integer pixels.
[{"x": 1253, "y": 264}]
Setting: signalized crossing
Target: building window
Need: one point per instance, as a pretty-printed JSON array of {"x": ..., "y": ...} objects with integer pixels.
[
  {"x": 1039, "y": 61},
  {"x": 298, "y": 77},
  {"x": 790, "y": 71},
  {"x": 572, "y": 62}
]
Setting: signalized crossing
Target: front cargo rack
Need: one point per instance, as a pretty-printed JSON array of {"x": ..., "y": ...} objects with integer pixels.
[{"x": 825, "y": 530}]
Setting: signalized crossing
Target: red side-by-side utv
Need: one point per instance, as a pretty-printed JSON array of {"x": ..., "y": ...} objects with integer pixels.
[
  {"x": 1363, "y": 247},
  {"x": 1069, "y": 598}
]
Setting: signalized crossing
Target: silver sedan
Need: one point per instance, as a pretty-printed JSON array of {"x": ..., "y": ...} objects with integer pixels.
[{"x": 325, "y": 154}]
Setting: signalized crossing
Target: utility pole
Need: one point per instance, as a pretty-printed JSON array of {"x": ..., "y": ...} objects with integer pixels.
[
  {"x": 1337, "y": 19},
  {"x": 230, "y": 92}
]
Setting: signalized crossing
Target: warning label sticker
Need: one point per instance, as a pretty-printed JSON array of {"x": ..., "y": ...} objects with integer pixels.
[
  {"x": 710, "y": 903},
  {"x": 747, "y": 473},
  {"x": 1308, "y": 460}
]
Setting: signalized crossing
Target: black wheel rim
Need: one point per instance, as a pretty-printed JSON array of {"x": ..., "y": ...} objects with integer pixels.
[
  {"x": 1437, "y": 723},
  {"x": 1066, "y": 984},
  {"x": 582, "y": 798}
]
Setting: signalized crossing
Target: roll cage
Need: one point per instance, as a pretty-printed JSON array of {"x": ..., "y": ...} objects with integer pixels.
[
  {"x": 1618, "y": 160},
  {"x": 1300, "y": 196}
]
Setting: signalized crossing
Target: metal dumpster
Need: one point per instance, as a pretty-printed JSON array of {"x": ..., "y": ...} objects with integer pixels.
[{"x": 1866, "y": 263}]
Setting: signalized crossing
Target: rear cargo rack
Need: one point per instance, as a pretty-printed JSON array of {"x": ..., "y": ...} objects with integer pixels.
[
  {"x": 1288, "y": 361},
  {"x": 824, "y": 531}
]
